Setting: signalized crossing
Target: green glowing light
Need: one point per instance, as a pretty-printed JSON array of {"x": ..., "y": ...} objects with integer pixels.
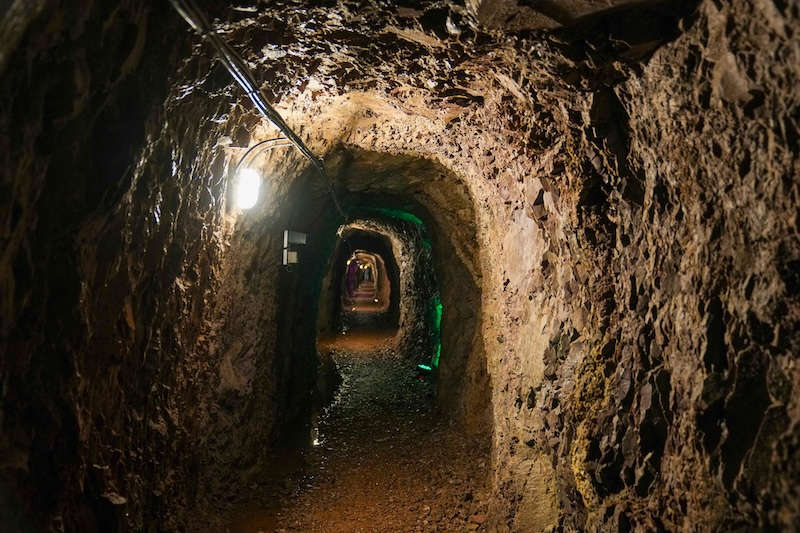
[
  {"x": 435, "y": 309},
  {"x": 424, "y": 367},
  {"x": 398, "y": 214}
]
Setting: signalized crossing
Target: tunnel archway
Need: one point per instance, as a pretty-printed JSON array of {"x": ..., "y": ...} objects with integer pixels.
[
  {"x": 424, "y": 202},
  {"x": 365, "y": 284},
  {"x": 351, "y": 244}
]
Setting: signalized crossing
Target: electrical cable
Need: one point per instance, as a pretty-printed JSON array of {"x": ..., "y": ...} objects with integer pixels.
[
  {"x": 238, "y": 70},
  {"x": 279, "y": 141}
]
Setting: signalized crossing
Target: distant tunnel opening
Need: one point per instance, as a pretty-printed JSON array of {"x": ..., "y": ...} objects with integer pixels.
[
  {"x": 416, "y": 231},
  {"x": 365, "y": 281},
  {"x": 362, "y": 287}
]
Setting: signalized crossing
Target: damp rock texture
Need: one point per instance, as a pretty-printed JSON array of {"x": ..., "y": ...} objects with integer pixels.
[
  {"x": 108, "y": 253},
  {"x": 611, "y": 196}
]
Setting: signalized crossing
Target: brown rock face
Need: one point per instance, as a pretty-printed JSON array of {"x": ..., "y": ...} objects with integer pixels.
[
  {"x": 608, "y": 206},
  {"x": 515, "y": 15}
]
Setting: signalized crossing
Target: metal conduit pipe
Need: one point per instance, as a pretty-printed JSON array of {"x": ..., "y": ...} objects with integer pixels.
[{"x": 238, "y": 69}]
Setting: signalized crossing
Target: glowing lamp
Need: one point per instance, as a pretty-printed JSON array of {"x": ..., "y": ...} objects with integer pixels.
[{"x": 247, "y": 183}]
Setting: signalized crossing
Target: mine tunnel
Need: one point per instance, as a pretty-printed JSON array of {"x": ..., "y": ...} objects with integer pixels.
[
  {"x": 435, "y": 265},
  {"x": 364, "y": 281}
]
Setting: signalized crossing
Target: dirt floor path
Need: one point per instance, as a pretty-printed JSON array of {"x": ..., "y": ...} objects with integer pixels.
[{"x": 381, "y": 460}]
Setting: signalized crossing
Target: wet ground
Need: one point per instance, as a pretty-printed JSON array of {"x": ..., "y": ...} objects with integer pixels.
[{"x": 381, "y": 459}]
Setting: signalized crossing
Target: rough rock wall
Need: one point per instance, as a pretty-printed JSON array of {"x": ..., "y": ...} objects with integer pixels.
[
  {"x": 607, "y": 297},
  {"x": 117, "y": 326},
  {"x": 714, "y": 121},
  {"x": 108, "y": 255},
  {"x": 668, "y": 306},
  {"x": 515, "y": 15},
  {"x": 243, "y": 341},
  {"x": 622, "y": 211}
]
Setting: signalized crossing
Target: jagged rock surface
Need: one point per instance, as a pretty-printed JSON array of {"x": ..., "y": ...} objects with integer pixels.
[{"x": 618, "y": 207}]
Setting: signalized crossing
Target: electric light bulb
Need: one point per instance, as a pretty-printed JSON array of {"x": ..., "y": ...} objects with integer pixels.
[{"x": 247, "y": 183}]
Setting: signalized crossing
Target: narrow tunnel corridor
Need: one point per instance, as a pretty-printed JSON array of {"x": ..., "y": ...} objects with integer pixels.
[
  {"x": 364, "y": 265},
  {"x": 380, "y": 454},
  {"x": 374, "y": 443}
]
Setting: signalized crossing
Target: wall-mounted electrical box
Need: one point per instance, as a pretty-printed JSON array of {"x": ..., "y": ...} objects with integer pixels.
[{"x": 290, "y": 256}]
